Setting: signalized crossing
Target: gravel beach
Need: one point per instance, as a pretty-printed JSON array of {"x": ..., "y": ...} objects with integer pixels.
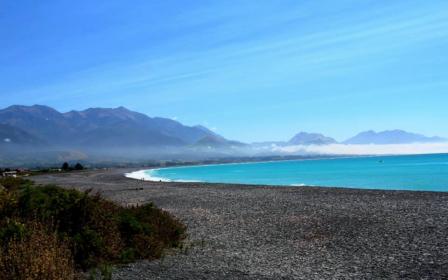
[{"x": 261, "y": 232}]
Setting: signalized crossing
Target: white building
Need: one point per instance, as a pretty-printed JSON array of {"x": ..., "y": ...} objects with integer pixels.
[{"x": 10, "y": 174}]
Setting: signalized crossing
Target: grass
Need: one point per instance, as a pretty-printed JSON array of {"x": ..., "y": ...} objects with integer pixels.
[{"x": 46, "y": 230}]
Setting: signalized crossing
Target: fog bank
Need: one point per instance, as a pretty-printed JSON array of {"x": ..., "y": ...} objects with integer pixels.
[{"x": 372, "y": 149}]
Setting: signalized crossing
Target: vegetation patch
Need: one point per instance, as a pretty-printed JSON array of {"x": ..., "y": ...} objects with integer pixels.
[{"x": 48, "y": 231}]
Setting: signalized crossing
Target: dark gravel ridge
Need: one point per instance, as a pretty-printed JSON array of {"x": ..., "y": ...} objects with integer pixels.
[{"x": 261, "y": 232}]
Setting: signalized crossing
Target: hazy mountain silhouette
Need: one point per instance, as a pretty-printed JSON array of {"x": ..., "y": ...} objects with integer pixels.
[
  {"x": 391, "y": 137},
  {"x": 119, "y": 127},
  {"x": 14, "y": 136},
  {"x": 216, "y": 141},
  {"x": 95, "y": 127},
  {"x": 304, "y": 138},
  {"x": 363, "y": 138}
]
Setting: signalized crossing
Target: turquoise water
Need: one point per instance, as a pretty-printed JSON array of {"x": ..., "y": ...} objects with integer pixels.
[{"x": 417, "y": 172}]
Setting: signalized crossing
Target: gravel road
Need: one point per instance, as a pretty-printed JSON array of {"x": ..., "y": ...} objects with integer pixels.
[{"x": 261, "y": 232}]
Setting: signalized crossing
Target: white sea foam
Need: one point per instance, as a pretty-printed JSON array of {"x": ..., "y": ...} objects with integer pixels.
[
  {"x": 186, "y": 181},
  {"x": 147, "y": 175},
  {"x": 303, "y": 185}
]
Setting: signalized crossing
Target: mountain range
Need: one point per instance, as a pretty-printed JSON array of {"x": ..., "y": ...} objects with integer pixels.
[
  {"x": 391, "y": 137},
  {"x": 364, "y": 138},
  {"x": 119, "y": 127},
  {"x": 301, "y": 138},
  {"x": 97, "y": 127}
]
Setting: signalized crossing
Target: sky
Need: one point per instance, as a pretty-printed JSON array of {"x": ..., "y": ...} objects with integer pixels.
[{"x": 250, "y": 70}]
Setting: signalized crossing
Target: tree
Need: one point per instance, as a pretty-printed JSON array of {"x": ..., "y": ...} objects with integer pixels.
[
  {"x": 79, "y": 166},
  {"x": 65, "y": 166}
]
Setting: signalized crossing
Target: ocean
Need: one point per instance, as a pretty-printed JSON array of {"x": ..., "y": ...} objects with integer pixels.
[{"x": 413, "y": 172}]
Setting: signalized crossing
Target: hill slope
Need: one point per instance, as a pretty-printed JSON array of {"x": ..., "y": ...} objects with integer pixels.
[
  {"x": 97, "y": 127},
  {"x": 304, "y": 138}
]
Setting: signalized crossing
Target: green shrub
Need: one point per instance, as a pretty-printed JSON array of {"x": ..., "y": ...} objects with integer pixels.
[
  {"x": 89, "y": 220},
  {"x": 98, "y": 231},
  {"x": 149, "y": 230},
  {"x": 8, "y": 204},
  {"x": 12, "y": 183},
  {"x": 11, "y": 230}
]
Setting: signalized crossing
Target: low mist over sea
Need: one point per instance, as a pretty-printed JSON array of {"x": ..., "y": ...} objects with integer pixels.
[{"x": 40, "y": 135}]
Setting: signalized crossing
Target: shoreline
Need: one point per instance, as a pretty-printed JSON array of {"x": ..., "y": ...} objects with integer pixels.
[
  {"x": 147, "y": 174},
  {"x": 264, "y": 186},
  {"x": 266, "y": 232}
]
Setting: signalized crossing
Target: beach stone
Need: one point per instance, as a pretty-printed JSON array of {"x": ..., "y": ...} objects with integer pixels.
[{"x": 262, "y": 232}]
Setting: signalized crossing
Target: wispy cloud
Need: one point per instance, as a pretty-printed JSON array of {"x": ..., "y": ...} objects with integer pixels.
[{"x": 274, "y": 66}]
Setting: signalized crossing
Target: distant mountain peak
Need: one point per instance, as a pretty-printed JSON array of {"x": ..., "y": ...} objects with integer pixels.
[
  {"x": 305, "y": 138},
  {"x": 33, "y": 108},
  {"x": 395, "y": 136},
  {"x": 105, "y": 127}
]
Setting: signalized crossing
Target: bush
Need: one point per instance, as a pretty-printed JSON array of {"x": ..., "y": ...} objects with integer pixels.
[
  {"x": 98, "y": 232},
  {"x": 89, "y": 220},
  {"x": 38, "y": 254},
  {"x": 146, "y": 231},
  {"x": 65, "y": 166},
  {"x": 78, "y": 166},
  {"x": 12, "y": 183}
]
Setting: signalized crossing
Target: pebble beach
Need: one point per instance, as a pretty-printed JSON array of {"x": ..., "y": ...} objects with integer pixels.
[{"x": 268, "y": 232}]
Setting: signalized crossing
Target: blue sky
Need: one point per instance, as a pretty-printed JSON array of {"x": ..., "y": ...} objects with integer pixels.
[{"x": 252, "y": 70}]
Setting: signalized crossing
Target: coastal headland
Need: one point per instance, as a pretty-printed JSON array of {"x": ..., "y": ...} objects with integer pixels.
[{"x": 266, "y": 232}]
